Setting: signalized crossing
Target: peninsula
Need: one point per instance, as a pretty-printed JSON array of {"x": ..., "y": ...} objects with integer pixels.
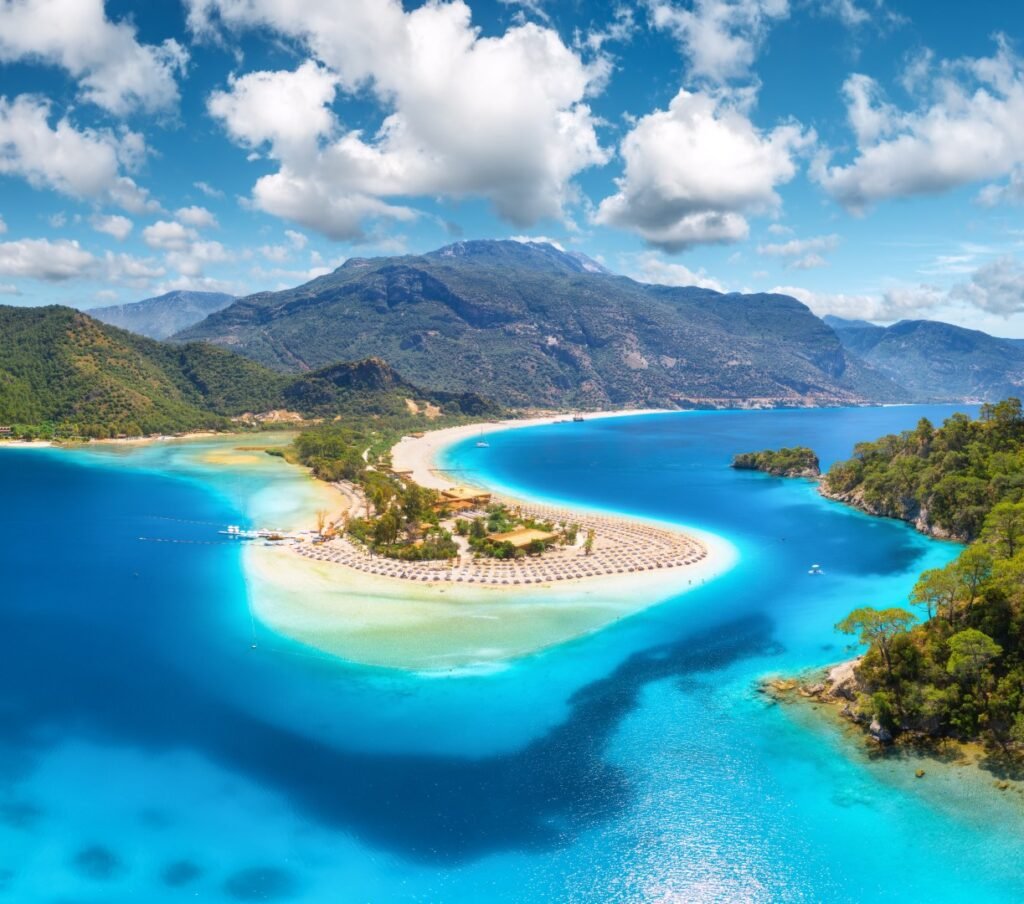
[{"x": 469, "y": 610}]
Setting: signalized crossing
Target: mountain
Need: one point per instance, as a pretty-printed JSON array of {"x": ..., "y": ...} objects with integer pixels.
[
  {"x": 60, "y": 366},
  {"x": 538, "y": 326},
  {"x": 164, "y": 315},
  {"x": 937, "y": 361}
]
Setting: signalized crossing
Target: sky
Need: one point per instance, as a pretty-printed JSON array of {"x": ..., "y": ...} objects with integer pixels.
[{"x": 864, "y": 156}]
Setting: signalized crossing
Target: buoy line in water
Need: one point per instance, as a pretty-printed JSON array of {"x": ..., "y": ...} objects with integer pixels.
[
  {"x": 193, "y": 542},
  {"x": 185, "y": 520}
]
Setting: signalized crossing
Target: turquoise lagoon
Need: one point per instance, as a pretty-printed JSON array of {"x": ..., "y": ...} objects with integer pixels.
[{"x": 149, "y": 752}]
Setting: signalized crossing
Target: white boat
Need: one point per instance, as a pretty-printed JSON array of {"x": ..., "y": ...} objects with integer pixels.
[
  {"x": 815, "y": 569},
  {"x": 483, "y": 445}
]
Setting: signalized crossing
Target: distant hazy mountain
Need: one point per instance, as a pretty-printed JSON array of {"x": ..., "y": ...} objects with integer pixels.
[
  {"x": 937, "y": 361},
  {"x": 529, "y": 324},
  {"x": 164, "y": 315},
  {"x": 60, "y": 366}
]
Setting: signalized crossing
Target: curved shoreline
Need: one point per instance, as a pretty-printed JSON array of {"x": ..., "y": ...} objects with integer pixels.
[
  {"x": 623, "y": 545},
  {"x": 442, "y": 624},
  {"x": 431, "y": 627}
]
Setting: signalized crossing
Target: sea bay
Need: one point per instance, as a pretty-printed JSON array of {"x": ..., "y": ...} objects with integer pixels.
[{"x": 150, "y": 752}]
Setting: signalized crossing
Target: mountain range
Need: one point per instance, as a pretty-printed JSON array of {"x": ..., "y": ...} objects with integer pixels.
[
  {"x": 61, "y": 367},
  {"x": 536, "y": 326},
  {"x": 524, "y": 324},
  {"x": 164, "y": 315},
  {"x": 935, "y": 361}
]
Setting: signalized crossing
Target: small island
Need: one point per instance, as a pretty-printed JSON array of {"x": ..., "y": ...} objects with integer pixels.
[{"x": 797, "y": 461}]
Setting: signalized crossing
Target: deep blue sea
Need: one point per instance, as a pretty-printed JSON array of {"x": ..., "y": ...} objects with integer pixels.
[{"x": 149, "y": 753}]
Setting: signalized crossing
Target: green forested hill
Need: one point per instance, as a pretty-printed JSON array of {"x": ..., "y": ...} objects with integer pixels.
[
  {"x": 61, "y": 368},
  {"x": 944, "y": 480},
  {"x": 538, "y": 326},
  {"x": 960, "y": 670}
]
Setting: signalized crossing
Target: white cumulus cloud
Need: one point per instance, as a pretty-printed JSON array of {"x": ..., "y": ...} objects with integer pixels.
[
  {"x": 1010, "y": 192},
  {"x": 113, "y": 70},
  {"x": 42, "y": 259},
  {"x": 969, "y": 127},
  {"x": 197, "y": 217},
  {"x": 695, "y": 171},
  {"x": 208, "y": 189},
  {"x": 502, "y": 118},
  {"x": 802, "y": 254},
  {"x": 117, "y": 226},
  {"x": 996, "y": 287},
  {"x": 719, "y": 38},
  {"x": 168, "y": 235},
  {"x": 290, "y": 111},
  {"x": 85, "y": 164},
  {"x": 129, "y": 270},
  {"x": 192, "y": 260},
  {"x": 650, "y": 267}
]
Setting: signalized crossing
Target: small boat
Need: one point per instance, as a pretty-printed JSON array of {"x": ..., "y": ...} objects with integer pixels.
[
  {"x": 577, "y": 418},
  {"x": 483, "y": 445},
  {"x": 815, "y": 569}
]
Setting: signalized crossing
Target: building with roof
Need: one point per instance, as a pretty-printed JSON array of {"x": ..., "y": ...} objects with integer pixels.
[
  {"x": 460, "y": 499},
  {"x": 522, "y": 537}
]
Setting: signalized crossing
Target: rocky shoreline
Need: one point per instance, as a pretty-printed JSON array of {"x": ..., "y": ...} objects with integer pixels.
[
  {"x": 837, "y": 686},
  {"x": 803, "y": 463},
  {"x": 909, "y": 511},
  {"x": 833, "y": 691}
]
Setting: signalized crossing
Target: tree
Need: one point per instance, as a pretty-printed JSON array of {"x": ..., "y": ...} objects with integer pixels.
[
  {"x": 877, "y": 628},
  {"x": 385, "y": 531},
  {"x": 1004, "y": 420},
  {"x": 417, "y": 502},
  {"x": 588, "y": 544},
  {"x": 970, "y": 653},
  {"x": 1017, "y": 732},
  {"x": 1004, "y": 528},
  {"x": 922, "y": 436},
  {"x": 936, "y": 590},
  {"x": 973, "y": 570}
]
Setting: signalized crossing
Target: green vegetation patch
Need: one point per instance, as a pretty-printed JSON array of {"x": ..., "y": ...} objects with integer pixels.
[{"x": 959, "y": 671}]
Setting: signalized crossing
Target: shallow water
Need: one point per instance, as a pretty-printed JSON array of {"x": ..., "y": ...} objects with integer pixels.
[{"x": 149, "y": 752}]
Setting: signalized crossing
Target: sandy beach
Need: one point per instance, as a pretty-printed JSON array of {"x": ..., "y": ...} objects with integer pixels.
[
  {"x": 461, "y": 629},
  {"x": 450, "y": 626},
  {"x": 419, "y": 454}
]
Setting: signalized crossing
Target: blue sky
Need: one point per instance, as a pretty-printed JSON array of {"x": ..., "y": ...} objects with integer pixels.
[{"x": 866, "y": 156}]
